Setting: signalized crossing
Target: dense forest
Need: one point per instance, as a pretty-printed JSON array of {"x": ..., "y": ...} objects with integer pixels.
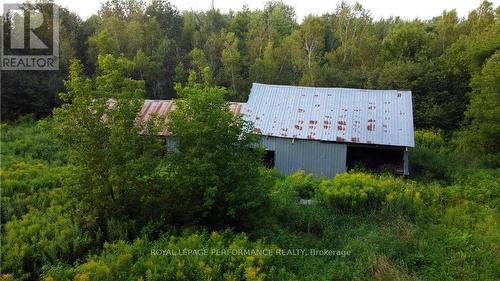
[
  {"x": 88, "y": 193},
  {"x": 436, "y": 59}
]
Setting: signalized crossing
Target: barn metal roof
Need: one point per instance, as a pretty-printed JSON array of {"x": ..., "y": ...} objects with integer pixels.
[
  {"x": 383, "y": 117},
  {"x": 163, "y": 107}
]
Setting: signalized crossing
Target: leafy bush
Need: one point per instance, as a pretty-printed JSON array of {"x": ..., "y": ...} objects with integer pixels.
[
  {"x": 405, "y": 201},
  {"x": 305, "y": 185},
  {"x": 213, "y": 177},
  {"x": 354, "y": 191},
  {"x": 41, "y": 238},
  {"x": 28, "y": 140},
  {"x": 360, "y": 192},
  {"x": 481, "y": 186},
  {"x": 167, "y": 259},
  {"x": 429, "y": 159},
  {"x": 289, "y": 213},
  {"x": 113, "y": 155},
  {"x": 481, "y": 136},
  {"x": 33, "y": 183}
]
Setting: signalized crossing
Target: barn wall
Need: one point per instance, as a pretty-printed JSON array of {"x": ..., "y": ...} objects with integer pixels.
[
  {"x": 171, "y": 145},
  {"x": 320, "y": 158}
]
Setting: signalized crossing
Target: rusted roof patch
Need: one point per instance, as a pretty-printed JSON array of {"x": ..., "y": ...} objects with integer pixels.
[
  {"x": 348, "y": 115},
  {"x": 163, "y": 107}
]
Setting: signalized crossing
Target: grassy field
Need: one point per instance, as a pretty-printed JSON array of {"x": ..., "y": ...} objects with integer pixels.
[{"x": 442, "y": 224}]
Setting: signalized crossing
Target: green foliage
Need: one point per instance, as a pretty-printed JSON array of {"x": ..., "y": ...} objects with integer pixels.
[
  {"x": 308, "y": 43},
  {"x": 304, "y": 185},
  {"x": 429, "y": 159},
  {"x": 364, "y": 192},
  {"x": 407, "y": 41},
  {"x": 26, "y": 184},
  {"x": 212, "y": 176},
  {"x": 41, "y": 238},
  {"x": 29, "y": 140},
  {"x": 230, "y": 58},
  {"x": 482, "y": 135},
  {"x": 37, "y": 228},
  {"x": 428, "y": 231},
  {"x": 461, "y": 235},
  {"x": 168, "y": 259},
  {"x": 294, "y": 217},
  {"x": 104, "y": 180},
  {"x": 111, "y": 152},
  {"x": 31, "y": 173},
  {"x": 480, "y": 186},
  {"x": 354, "y": 191}
]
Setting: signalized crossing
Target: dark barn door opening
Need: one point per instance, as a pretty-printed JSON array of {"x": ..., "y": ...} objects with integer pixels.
[
  {"x": 269, "y": 159},
  {"x": 375, "y": 159}
]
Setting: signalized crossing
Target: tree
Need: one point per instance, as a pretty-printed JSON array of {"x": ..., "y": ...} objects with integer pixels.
[
  {"x": 257, "y": 36},
  {"x": 406, "y": 42},
  {"x": 167, "y": 16},
  {"x": 129, "y": 27},
  {"x": 280, "y": 19},
  {"x": 112, "y": 153},
  {"x": 25, "y": 92},
  {"x": 483, "y": 134},
  {"x": 350, "y": 26},
  {"x": 231, "y": 60},
  {"x": 481, "y": 18},
  {"x": 446, "y": 31},
  {"x": 309, "y": 44},
  {"x": 199, "y": 62},
  {"x": 213, "y": 174}
]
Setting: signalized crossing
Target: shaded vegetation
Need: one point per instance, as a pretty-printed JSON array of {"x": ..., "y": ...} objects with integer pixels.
[
  {"x": 86, "y": 193},
  {"x": 393, "y": 229}
]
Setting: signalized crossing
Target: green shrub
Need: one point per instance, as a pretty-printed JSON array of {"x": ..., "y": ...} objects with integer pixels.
[
  {"x": 360, "y": 192},
  {"x": 212, "y": 177},
  {"x": 407, "y": 200},
  {"x": 166, "y": 259},
  {"x": 478, "y": 185},
  {"x": 113, "y": 155},
  {"x": 120, "y": 229},
  {"x": 287, "y": 211},
  {"x": 461, "y": 242},
  {"x": 29, "y": 140},
  {"x": 31, "y": 183},
  {"x": 41, "y": 238},
  {"x": 31, "y": 171},
  {"x": 429, "y": 158},
  {"x": 305, "y": 185},
  {"x": 353, "y": 191}
]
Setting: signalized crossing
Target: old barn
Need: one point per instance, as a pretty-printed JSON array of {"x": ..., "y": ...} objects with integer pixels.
[
  {"x": 324, "y": 130},
  {"x": 327, "y": 130}
]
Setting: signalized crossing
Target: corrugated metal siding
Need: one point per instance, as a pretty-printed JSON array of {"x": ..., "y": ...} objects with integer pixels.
[
  {"x": 332, "y": 114},
  {"x": 319, "y": 158},
  {"x": 171, "y": 144}
]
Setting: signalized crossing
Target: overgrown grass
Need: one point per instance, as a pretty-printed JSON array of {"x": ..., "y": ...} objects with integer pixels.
[{"x": 441, "y": 225}]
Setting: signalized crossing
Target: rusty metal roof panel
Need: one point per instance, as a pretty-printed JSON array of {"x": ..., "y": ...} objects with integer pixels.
[
  {"x": 381, "y": 117},
  {"x": 163, "y": 107}
]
